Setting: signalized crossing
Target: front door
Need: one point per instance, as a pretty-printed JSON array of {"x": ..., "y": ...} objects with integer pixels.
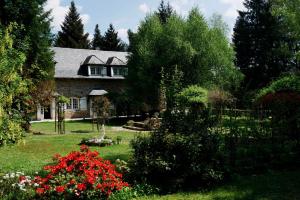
[{"x": 47, "y": 112}]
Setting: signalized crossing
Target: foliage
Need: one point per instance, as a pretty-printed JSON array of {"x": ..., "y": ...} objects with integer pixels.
[
  {"x": 185, "y": 151},
  {"x": 282, "y": 97},
  {"x": 261, "y": 45},
  {"x": 33, "y": 38},
  {"x": 219, "y": 98},
  {"x": 101, "y": 106},
  {"x": 188, "y": 45},
  {"x": 111, "y": 41},
  {"x": 289, "y": 83},
  {"x": 72, "y": 33},
  {"x": 80, "y": 175},
  {"x": 97, "y": 41},
  {"x": 164, "y": 11},
  {"x": 288, "y": 11},
  {"x": 16, "y": 183},
  {"x": 134, "y": 192},
  {"x": 12, "y": 86},
  {"x": 174, "y": 161},
  {"x": 193, "y": 95}
]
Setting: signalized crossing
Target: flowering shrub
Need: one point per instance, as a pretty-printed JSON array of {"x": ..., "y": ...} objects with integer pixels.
[
  {"x": 80, "y": 175},
  {"x": 16, "y": 183}
]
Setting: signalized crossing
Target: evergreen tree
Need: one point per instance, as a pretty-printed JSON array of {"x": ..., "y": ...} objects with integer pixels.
[
  {"x": 131, "y": 36},
  {"x": 97, "y": 40},
  {"x": 164, "y": 11},
  {"x": 111, "y": 41},
  {"x": 257, "y": 39},
  {"x": 72, "y": 34}
]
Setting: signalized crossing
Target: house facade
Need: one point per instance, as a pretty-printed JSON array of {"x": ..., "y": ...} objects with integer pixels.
[{"x": 80, "y": 75}]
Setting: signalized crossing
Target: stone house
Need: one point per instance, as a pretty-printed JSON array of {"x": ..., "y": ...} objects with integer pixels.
[{"x": 81, "y": 74}]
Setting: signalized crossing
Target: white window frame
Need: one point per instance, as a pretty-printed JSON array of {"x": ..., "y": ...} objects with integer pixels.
[
  {"x": 120, "y": 71},
  {"x": 72, "y": 104},
  {"x": 98, "y": 70}
]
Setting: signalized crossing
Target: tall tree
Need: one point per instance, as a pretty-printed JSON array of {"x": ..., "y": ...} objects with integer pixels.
[
  {"x": 33, "y": 38},
  {"x": 97, "y": 41},
  {"x": 164, "y": 11},
  {"x": 257, "y": 39},
  {"x": 72, "y": 31},
  {"x": 289, "y": 13},
  {"x": 131, "y": 36},
  {"x": 190, "y": 47},
  {"x": 111, "y": 41},
  {"x": 12, "y": 86}
]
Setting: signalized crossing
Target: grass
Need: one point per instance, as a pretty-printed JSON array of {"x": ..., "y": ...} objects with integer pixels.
[
  {"x": 37, "y": 150},
  {"x": 271, "y": 186}
]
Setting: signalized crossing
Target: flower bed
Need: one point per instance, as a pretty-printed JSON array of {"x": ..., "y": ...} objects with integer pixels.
[{"x": 78, "y": 175}]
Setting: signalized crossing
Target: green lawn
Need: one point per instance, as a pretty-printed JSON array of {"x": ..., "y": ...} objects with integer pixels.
[{"x": 37, "y": 150}]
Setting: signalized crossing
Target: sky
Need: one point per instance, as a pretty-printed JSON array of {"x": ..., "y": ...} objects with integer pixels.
[{"x": 127, "y": 14}]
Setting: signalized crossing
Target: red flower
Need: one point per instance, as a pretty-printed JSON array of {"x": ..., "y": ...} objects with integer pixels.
[
  {"x": 81, "y": 186},
  {"x": 47, "y": 187},
  {"x": 60, "y": 189},
  {"x": 84, "y": 148},
  {"x": 22, "y": 178},
  {"x": 96, "y": 173},
  {"x": 40, "y": 191},
  {"x": 72, "y": 182}
]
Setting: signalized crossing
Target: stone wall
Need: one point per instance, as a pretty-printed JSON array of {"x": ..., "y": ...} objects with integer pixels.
[{"x": 82, "y": 87}]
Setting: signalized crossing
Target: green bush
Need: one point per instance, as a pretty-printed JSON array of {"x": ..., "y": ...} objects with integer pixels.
[{"x": 189, "y": 156}]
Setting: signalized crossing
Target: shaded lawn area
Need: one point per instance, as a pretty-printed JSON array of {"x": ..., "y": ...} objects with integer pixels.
[
  {"x": 38, "y": 150},
  {"x": 271, "y": 186}
]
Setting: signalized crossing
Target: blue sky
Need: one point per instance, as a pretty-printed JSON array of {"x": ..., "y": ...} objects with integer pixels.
[{"x": 126, "y": 14}]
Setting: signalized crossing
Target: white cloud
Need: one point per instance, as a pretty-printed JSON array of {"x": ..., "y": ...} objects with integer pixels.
[
  {"x": 59, "y": 12},
  {"x": 144, "y": 8},
  {"x": 122, "y": 33},
  {"x": 233, "y": 7},
  {"x": 184, "y": 6}
]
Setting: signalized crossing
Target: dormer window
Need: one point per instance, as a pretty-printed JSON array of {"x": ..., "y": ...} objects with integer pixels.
[
  {"x": 120, "y": 71},
  {"x": 98, "y": 71}
]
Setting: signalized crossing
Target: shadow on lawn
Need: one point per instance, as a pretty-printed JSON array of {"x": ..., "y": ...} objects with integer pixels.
[
  {"x": 82, "y": 131},
  {"x": 272, "y": 186}
]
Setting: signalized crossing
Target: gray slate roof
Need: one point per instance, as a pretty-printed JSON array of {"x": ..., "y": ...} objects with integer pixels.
[{"x": 68, "y": 61}]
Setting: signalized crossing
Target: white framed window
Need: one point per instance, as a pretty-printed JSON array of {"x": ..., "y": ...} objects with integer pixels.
[
  {"x": 98, "y": 71},
  {"x": 120, "y": 71},
  {"x": 73, "y": 104}
]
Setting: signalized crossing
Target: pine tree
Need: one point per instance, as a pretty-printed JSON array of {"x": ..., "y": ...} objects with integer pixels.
[
  {"x": 97, "y": 40},
  {"x": 257, "y": 39},
  {"x": 164, "y": 12},
  {"x": 72, "y": 34},
  {"x": 111, "y": 41},
  {"x": 131, "y": 36}
]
